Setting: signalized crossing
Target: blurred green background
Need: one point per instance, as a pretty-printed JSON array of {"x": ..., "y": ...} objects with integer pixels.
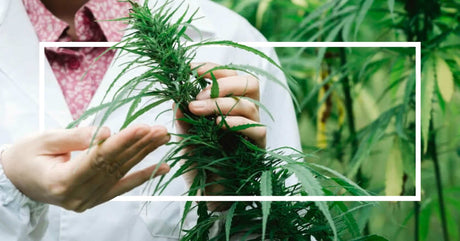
[{"x": 357, "y": 105}]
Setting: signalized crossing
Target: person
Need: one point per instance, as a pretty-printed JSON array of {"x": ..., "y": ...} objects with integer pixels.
[{"x": 53, "y": 186}]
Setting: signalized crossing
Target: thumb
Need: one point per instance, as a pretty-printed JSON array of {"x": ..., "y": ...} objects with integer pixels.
[{"x": 76, "y": 139}]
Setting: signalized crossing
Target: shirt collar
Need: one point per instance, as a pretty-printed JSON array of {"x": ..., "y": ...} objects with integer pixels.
[
  {"x": 49, "y": 28},
  {"x": 108, "y": 10}
]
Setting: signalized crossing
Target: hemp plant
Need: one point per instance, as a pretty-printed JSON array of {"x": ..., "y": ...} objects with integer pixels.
[{"x": 210, "y": 149}]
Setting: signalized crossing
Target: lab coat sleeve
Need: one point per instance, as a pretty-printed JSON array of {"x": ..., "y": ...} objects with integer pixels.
[{"x": 21, "y": 219}]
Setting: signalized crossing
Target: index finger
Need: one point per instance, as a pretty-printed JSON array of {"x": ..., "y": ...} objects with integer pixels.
[
  {"x": 203, "y": 68},
  {"x": 107, "y": 152}
]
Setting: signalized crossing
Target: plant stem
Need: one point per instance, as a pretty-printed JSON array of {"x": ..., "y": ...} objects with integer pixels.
[
  {"x": 437, "y": 172},
  {"x": 349, "y": 104},
  {"x": 351, "y": 124},
  {"x": 350, "y": 115}
]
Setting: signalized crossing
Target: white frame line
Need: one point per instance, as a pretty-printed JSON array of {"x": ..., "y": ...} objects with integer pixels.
[{"x": 416, "y": 45}]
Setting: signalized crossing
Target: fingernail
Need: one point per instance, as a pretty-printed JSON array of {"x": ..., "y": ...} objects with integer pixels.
[
  {"x": 198, "y": 104},
  {"x": 165, "y": 139},
  {"x": 205, "y": 94},
  {"x": 163, "y": 169}
]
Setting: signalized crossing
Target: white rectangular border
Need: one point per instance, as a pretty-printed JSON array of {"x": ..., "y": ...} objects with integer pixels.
[{"x": 417, "y": 197}]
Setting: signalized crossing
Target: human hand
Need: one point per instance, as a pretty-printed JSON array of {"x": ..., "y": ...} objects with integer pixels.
[
  {"x": 41, "y": 167},
  {"x": 239, "y": 111}
]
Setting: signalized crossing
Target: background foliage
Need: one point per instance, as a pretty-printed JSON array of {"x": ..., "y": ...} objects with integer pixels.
[{"x": 357, "y": 105}]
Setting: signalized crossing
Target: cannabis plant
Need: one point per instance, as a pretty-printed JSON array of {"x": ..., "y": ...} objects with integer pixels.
[{"x": 210, "y": 149}]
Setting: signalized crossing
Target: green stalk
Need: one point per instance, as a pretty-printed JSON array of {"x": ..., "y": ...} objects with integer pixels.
[
  {"x": 351, "y": 123},
  {"x": 437, "y": 172},
  {"x": 350, "y": 115},
  {"x": 349, "y": 104}
]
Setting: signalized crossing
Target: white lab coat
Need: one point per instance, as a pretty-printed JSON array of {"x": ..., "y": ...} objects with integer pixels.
[{"x": 24, "y": 219}]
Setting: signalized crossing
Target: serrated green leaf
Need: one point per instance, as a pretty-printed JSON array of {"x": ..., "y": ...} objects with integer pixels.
[
  {"x": 348, "y": 22},
  {"x": 142, "y": 111},
  {"x": 228, "y": 221},
  {"x": 348, "y": 218},
  {"x": 357, "y": 190},
  {"x": 444, "y": 79},
  {"x": 265, "y": 190},
  {"x": 361, "y": 14},
  {"x": 370, "y": 136},
  {"x": 310, "y": 18},
  {"x": 394, "y": 171},
  {"x": 239, "y": 46},
  {"x": 428, "y": 81},
  {"x": 214, "y": 86},
  {"x": 313, "y": 188},
  {"x": 244, "y": 126}
]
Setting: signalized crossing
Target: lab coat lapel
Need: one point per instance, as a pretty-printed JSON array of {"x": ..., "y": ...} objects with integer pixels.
[
  {"x": 20, "y": 63},
  {"x": 19, "y": 53}
]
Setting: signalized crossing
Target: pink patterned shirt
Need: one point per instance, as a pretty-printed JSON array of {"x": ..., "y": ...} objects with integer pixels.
[{"x": 70, "y": 64}]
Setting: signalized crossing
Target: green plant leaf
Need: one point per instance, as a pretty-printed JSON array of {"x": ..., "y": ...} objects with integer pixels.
[
  {"x": 244, "y": 126},
  {"x": 394, "y": 171},
  {"x": 239, "y": 46},
  {"x": 370, "y": 135},
  {"x": 452, "y": 225},
  {"x": 261, "y": 10},
  {"x": 313, "y": 188},
  {"x": 425, "y": 216},
  {"x": 142, "y": 111},
  {"x": 366, "y": 5},
  {"x": 348, "y": 23},
  {"x": 357, "y": 190},
  {"x": 311, "y": 17},
  {"x": 391, "y": 6},
  {"x": 428, "y": 81},
  {"x": 214, "y": 86},
  {"x": 444, "y": 79},
  {"x": 228, "y": 221},
  {"x": 265, "y": 190},
  {"x": 348, "y": 218}
]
